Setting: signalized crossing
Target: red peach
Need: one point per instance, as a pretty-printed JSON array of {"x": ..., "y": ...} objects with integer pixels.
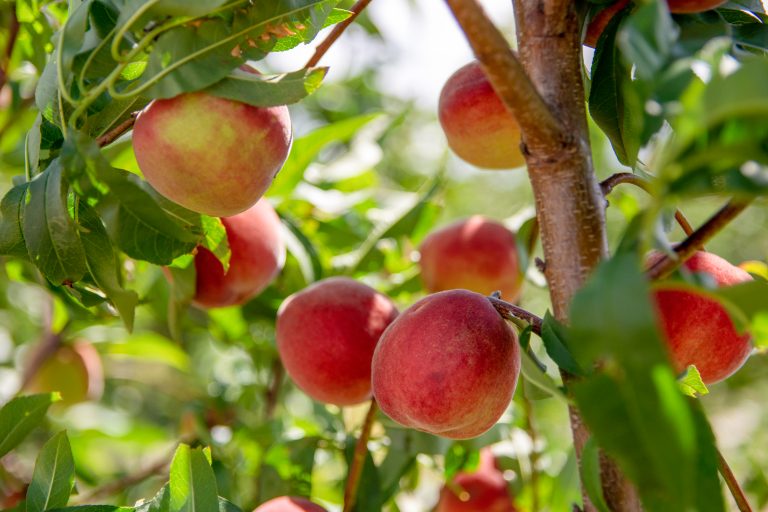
[
  {"x": 326, "y": 335},
  {"x": 478, "y": 126},
  {"x": 696, "y": 327},
  {"x": 476, "y": 254},
  {"x": 257, "y": 256},
  {"x": 448, "y": 365},
  {"x": 211, "y": 155},
  {"x": 598, "y": 23},
  {"x": 693, "y": 6},
  {"x": 289, "y": 504},
  {"x": 483, "y": 490},
  {"x": 73, "y": 370}
]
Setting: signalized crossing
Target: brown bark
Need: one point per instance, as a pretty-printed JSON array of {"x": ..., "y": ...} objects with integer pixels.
[{"x": 569, "y": 203}]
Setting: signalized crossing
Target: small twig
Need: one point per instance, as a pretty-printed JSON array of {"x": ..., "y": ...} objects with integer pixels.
[
  {"x": 666, "y": 265},
  {"x": 506, "y": 74},
  {"x": 113, "y": 134},
  {"x": 608, "y": 184},
  {"x": 273, "y": 390},
  {"x": 127, "y": 481},
  {"x": 358, "y": 459},
  {"x": 511, "y": 312},
  {"x": 732, "y": 483},
  {"x": 339, "y": 29}
]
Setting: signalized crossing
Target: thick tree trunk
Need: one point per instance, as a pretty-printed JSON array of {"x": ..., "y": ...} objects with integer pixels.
[{"x": 569, "y": 203}]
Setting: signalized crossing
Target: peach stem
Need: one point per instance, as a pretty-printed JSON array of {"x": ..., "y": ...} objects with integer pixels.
[
  {"x": 358, "y": 459},
  {"x": 698, "y": 238},
  {"x": 511, "y": 312},
  {"x": 608, "y": 184}
]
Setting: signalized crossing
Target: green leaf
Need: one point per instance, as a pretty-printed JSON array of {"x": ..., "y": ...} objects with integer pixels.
[
  {"x": 53, "y": 477},
  {"x": 302, "y": 248},
  {"x": 215, "y": 239},
  {"x": 590, "y": 475},
  {"x": 268, "y": 91},
  {"x": 94, "y": 508},
  {"x": 192, "y": 483},
  {"x": 50, "y": 233},
  {"x": 553, "y": 334},
  {"x": 534, "y": 375},
  {"x": 612, "y": 103},
  {"x": 11, "y": 222},
  {"x": 159, "y": 503},
  {"x": 691, "y": 384},
  {"x": 369, "y": 492},
  {"x": 20, "y": 416},
  {"x": 103, "y": 263},
  {"x": 633, "y": 405},
  {"x": 150, "y": 346},
  {"x": 647, "y": 37},
  {"x": 304, "y": 151},
  {"x": 228, "y": 506}
]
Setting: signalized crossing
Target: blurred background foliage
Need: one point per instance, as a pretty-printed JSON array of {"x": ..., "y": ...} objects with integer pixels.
[{"x": 369, "y": 176}]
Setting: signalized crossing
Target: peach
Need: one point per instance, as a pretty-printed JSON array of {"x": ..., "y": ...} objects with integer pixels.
[
  {"x": 448, "y": 365},
  {"x": 693, "y": 6},
  {"x": 477, "y": 254},
  {"x": 483, "y": 490},
  {"x": 697, "y": 328},
  {"x": 598, "y": 23},
  {"x": 211, "y": 155},
  {"x": 478, "y": 126},
  {"x": 73, "y": 370},
  {"x": 289, "y": 504},
  {"x": 257, "y": 256},
  {"x": 326, "y": 335}
]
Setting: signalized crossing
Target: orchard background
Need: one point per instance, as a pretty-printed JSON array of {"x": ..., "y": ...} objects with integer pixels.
[{"x": 199, "y": 398}]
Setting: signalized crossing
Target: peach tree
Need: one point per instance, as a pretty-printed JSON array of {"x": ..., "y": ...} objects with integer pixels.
[{"x": 212, "y": 297}]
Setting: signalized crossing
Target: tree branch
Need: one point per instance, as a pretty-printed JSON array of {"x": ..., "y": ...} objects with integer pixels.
[
  {"x": 273, "y": 390},
  {"x": 666, "y": 265},
  {"x": 115, "y": 133},
  {"x": 358, "y": 458},
  {"x": 339, "y": 29},
  {"x": 13, "y": 33},
  {"x": 511, "y": 312},
  {"x": 609, "y": 183},
  {"x": 507, "y": 75},
  {"x": 732, "y": 483},
  {"x": 127, "y": 481}
]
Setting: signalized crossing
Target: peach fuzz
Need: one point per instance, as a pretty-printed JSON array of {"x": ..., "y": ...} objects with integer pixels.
[
  {"x": 448, "y": 365},
  {"x": 289, "y": 504},
  {"x": 326, "y": 335},
  {"x": 476, "y": 254},
  {"x": 477, "y": 125},
  {"x": 211, "y": 155},
  {"x": 257, "y": 256},
  {"x": 696, "y": 327},
  {"x": 484, "y": 489}
]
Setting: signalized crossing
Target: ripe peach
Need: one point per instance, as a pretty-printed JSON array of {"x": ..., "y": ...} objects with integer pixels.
[
  {"x": 211, "y": 155},
  {"x": 483, "y": 490},
  {"x": 73, "y": 370},
  {"x": 289, "y": 504},
  {"x": 326, "y": 334},
  {"x": 477, "y": 254},
  {"x": 478, "y": 126},
  {"x": 257, "y": 256},
  {"x": 693, "y": 6},
  {"x": 697, "y": 328},
  {"x": 598, "y": 23},
  {"x": 448, "y": 365}
]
